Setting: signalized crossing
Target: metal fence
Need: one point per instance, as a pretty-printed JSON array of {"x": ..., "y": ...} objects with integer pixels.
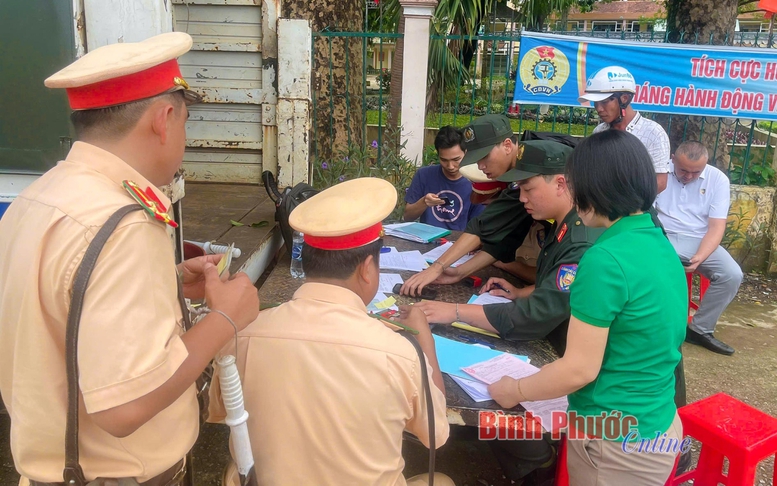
[{"x": 475, "y": 76}]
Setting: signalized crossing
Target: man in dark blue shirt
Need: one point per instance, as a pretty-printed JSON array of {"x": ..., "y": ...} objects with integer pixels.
[{"x": 439, "y": 194}]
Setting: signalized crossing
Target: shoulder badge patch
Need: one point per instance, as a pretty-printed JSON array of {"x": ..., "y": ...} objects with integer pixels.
[
  {"x": 150, "y": 202},
  {"x": 565, "y": 276}
]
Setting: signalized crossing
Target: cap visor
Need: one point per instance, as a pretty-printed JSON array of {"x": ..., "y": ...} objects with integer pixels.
[
  {"x": 594, "y": 97},
  {"x": 514, "y": 175},
  {"x": 476, "y": 155}
]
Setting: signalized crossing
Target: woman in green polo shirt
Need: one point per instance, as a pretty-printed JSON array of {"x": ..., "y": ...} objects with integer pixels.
[{"x": 629, "y": 311}]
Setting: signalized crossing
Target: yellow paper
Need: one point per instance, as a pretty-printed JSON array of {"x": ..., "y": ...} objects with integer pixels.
[
  {"x": 226, "y": 260},
  {"x": 467, "y": 327},
  {"x": 385, "y": 304}
]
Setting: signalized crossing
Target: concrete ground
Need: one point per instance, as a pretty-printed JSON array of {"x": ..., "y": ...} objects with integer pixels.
[{"x": 748, "y": 375}]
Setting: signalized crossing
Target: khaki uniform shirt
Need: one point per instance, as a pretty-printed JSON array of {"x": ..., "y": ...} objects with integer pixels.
[
  {"x": 129, "y": 340},
  {"x": 530, "y": 250},
  {"x": 329, "y": 391}
]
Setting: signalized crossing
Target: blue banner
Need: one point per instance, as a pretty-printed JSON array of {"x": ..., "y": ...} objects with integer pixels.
[{"x": 671, "y": 78}]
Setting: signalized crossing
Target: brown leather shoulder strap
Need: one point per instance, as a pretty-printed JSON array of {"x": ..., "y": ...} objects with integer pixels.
[
  {"x": 429, "y": 404},
  {"x": 73, "y": 474}
]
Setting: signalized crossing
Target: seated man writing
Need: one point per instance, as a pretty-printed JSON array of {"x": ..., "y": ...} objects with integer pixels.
[
  {"x": 694, "y": 209},
  {"x": 503, "y": 225},
  {"x": 329, "y": 389},
  {"x": 439, "y": 194}
]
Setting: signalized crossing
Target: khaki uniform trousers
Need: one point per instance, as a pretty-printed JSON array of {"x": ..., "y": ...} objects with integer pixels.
[{"x": 596, "y": 462}]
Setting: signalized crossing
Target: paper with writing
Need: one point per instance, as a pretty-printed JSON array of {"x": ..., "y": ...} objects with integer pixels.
[{"x": 388, "y": 281}]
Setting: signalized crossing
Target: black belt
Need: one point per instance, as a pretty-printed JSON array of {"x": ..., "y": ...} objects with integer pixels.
[{"x": 172, "y": 476}]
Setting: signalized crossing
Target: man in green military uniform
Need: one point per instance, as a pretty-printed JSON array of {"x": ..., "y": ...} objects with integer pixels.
[
  {"x": 540, "y": 310},
  {"x": 502, "y": 227}
]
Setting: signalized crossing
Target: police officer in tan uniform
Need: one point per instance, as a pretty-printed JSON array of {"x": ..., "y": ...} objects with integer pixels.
[
  {"x": 329, "y": 389},
  {"x": 138, "y": 413}
]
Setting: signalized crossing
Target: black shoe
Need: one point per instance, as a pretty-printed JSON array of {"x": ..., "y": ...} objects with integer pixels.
[{"x": 708, "y": 341}]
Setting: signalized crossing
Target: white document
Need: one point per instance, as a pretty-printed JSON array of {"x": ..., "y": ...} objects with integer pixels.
[
  {"x": 487, "y": 298},
  {"x": 492, "y": 370},
  {"x": 433, "y": 255},
  {"x": 477, "y": 391},
  {"x": 544, "y": 410},
  {"x": 388, "y": 281},
  {"x": 406, "y": 260}
]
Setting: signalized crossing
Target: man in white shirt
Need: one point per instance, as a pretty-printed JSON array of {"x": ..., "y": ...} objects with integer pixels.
[
  {"x": 693, "y": 209},
  {"x": 611, "y": 90}
]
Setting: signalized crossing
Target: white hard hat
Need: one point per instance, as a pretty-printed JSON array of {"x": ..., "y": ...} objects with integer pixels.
[{"x": 606, "y": 81}]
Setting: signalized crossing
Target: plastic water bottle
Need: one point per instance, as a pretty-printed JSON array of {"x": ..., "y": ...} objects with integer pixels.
[{"x": 296, "y": 256}]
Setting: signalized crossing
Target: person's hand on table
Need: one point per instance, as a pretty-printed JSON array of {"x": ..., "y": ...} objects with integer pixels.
[
  {"x": 432, "y": 200},
  {"x": 438, "y": 312},
  {"x": 417, "y": 282},
  {"x": 501, "y": 288},
  {"x": 413, "y": 317},
  {"x": 505, "y": 392}
]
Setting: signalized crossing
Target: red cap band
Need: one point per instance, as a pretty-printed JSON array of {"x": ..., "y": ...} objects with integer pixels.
[
  {"x": 125, "y": 89},
  {"x": 487, "y": 187},
  {"x": 346, "y": 242}
]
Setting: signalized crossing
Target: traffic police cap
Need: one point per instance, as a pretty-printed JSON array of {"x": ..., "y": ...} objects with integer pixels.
[
  {"x": 347, "y": 215},
  {"x": 482, "y": 135},
  {"x": 538, "y": 157},
  {"x": 117, "y": 74},
  {"x": 483, "y": 188}
]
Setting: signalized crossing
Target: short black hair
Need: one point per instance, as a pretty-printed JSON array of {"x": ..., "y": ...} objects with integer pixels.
[
  {"x": 117, "y": 121},
  {"x": 338, "y": 264},
  {"x": 612, "y": 172},
  {"x": 449, "y": 137}
]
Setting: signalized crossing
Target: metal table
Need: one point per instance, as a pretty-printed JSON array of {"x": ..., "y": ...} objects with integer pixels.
[{"x": 462, "y": 410}]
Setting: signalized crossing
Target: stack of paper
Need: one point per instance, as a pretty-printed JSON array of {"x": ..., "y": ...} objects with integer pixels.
[
  {"x": 477, "y": 391},
  {"x": 432, "y": 255},
  {"x": 487, "y": 298},
  {"x": 452, "y": 355},
  {"x": 411, "y": 261},
  {"x": 492, "y": 370},
  {"x": 418, "y": 232}
]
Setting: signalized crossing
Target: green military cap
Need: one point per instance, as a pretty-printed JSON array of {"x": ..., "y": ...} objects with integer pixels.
[
  {"x": 483, "y": 134},
  {"x": 538, "y": 157}
]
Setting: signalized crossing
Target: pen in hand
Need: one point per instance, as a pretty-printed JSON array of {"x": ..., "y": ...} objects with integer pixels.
[{"x": 496, "y": 285}]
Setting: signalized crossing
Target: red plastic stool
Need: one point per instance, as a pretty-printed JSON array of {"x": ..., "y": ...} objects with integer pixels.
[
  {"x": 562, "y": 474},
  {"x": 704, "y": 284},
  {"x": 728, "y": 428}
]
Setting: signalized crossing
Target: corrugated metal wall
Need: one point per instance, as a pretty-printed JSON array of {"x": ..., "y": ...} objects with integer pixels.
[{"x": 225, "y": 65}]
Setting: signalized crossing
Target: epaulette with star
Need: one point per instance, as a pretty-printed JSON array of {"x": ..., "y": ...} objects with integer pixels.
[{"x": 150, "y": 202}]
